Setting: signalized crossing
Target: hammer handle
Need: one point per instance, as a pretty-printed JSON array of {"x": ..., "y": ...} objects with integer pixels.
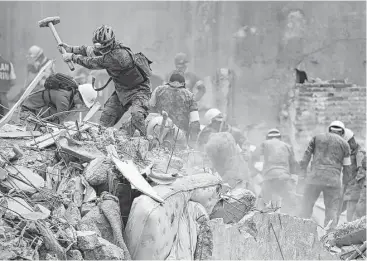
[{"x": 58, "y": 40}]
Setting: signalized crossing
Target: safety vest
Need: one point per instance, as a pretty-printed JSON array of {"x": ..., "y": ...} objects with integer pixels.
[{"x": 5, "y": 72}]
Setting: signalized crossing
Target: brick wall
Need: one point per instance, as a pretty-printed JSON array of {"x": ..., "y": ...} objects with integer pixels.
[{"x": 313, "y": 107}]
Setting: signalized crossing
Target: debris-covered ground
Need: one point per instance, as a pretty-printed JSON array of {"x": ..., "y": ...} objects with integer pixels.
[{"x": 98, "y": 194}]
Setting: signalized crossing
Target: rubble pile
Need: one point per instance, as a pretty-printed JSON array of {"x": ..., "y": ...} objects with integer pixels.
[
  {"x": 348, "y": 240},
  {"x": 98, "y": 194}
]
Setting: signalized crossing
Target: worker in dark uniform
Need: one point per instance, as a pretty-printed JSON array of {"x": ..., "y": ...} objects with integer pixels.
[
  {"x": 132, "y": 86},
  {"x": 60, "y": 95},
  {"x": 330, "y": 154}
]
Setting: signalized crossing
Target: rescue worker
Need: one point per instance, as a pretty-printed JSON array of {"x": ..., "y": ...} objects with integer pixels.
[
  {"x": 7, "y": 80},
  {"x": 361, "y": 180},
  {"x": 352, "y": 190},
  {"x": 193, "y": 83},
  {"x": 132, "y": 85},
  {"x": 216, "y": 119},
  {"x": 61, "y": 93},
  {"x": 330, "y": 154},
  {"x": 180, "y": 105},
  {"x": 36, "y": 59},
  {"x": 279, "y": 165}
]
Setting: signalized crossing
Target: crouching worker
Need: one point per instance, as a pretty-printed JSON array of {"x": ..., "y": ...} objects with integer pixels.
[
  {"x": 279, "y": 164},
  {"x": 217, "y": 124},
  {"x": 60, "y": 94},
  {"x": 180, "y": 106}
]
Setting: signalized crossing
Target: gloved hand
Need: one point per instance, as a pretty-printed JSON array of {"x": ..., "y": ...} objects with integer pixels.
[
  {"x": 67, "y": 57},
  {"x": 67, "y": 47}
]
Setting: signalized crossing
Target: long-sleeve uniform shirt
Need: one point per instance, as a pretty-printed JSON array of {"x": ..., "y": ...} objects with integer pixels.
[
  {"x": 116, "y": 63},
  {"x": 330, "y": 153},
  {"x": 208, "y": 130},
  {"x": 57, "y": 100},
  {"x": 279, "y": 160},
  {"x": 177, "y": 102}
]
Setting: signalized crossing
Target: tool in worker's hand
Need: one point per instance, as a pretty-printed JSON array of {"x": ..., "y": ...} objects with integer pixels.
[
  {"x": 163, "y": 125},
  {"x": 50, "y": 22}
]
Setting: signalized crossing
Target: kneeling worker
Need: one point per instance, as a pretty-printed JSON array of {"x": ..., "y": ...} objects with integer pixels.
[{"x": 60, "y": 94}]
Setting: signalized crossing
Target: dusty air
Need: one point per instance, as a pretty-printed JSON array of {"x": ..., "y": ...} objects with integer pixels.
[{"x": 192, "y": 130}]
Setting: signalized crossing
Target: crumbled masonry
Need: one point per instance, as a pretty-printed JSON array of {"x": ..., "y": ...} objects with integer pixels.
[{"x": 60, "y": 203}]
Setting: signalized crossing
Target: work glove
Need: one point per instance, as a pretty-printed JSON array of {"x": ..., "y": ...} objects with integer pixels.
[
  {"x": 67, "y": 57},
  {"x": 67, "y": 47}
]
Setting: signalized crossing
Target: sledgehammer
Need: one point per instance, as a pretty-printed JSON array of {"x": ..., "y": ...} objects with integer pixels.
[{"x": 50, "y": 22}]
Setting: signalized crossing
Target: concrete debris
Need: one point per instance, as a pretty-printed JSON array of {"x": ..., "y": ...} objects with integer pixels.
[
  {"x": 23, "y": 178},
  {"x": 105, "y": 251},
  {"x": 96, "y": 171},
  {"x": 71, "y": 201},
  {"x": 87, "y": 240},
  {"x": 234, "y": 205},
  {"x": 348, "y": 240}
]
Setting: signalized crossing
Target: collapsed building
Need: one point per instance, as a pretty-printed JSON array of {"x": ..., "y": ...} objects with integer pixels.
[
  {"x": 311, "y": 106},
  {"x": 60, "y": 200}
]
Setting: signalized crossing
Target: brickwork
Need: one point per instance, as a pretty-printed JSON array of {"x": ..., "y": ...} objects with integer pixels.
[{"x": 314, "y": 106}]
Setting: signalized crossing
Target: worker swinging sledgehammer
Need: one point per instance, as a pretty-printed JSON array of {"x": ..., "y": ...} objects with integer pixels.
[{"x": 130, "y": 73}]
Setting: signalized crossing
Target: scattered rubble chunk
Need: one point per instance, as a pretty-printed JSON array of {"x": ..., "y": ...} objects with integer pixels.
[
  {"x": 76, "y": 149},
  {"x": 96, "y": 171},
  {"x": 23, "y": 178},
  {"x": 105, "y": 251},
  {"x": 237, "y": 203},
  {"x": 87, "y": 240}
]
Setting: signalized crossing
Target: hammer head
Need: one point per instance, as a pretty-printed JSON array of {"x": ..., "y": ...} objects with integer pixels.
[{"x": 44, "y": 22}]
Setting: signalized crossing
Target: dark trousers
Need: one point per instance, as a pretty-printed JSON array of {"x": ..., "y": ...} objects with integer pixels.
[
  {"x": 331, "y": 201},
  {"x": 114, "y": 110},
  {"x": 4, "y": 104}
]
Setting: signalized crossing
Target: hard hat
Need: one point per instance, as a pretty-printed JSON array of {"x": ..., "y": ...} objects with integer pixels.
[
  {"x": 273, "y": 133},
  {"x": 181, "y": 58},
  {"x": 34, "y": 52},
  {"x": 337, "y": 126},
  {"x": 88, "y": 94},
  {"x": 211, "y": 114},
  {"x": 103, "y": 36},
  {"x": 348, "y": 134}
]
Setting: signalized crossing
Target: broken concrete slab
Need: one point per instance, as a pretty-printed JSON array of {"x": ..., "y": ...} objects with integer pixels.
[
  {"x": 105, "y": 251},
  {"x": 96, "y": 171},
  {"x": 235, "y": 205},
  {"x": 75, "y": 149},
  {"x": 20, "y": 134},
  {"x": 23, "y": 178},
  {"x": 87, "y": 240},
  {"x": 96, "y": 221},
  {"x": 297, "y": 238},
  {"x": 74, "y": 254},
  {"x": 72, "y": 214}
]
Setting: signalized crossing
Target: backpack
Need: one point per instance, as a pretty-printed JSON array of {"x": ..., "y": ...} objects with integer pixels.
[
  {"x": 60, "y": 81},
  {"x": 141, "y": 62}
]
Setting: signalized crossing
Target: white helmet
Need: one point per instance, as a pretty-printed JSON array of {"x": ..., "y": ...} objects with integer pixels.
[
  {"x": 273, "y": 133},
  {"x": 211, "y": 114},
  {"x": 34, "y": 53},
  {"x": 348, "y": 134},
  {"x": 88, "y": 94},
  {"x": 337, "y": 126}
]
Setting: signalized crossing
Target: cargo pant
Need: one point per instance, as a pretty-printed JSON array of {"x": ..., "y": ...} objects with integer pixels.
[
  {"x": 331, "y": 201},
  {"x": 276, "y": 190},
  {"x": 114, "y": 110},
  {"x": 4, "y": 104}
]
